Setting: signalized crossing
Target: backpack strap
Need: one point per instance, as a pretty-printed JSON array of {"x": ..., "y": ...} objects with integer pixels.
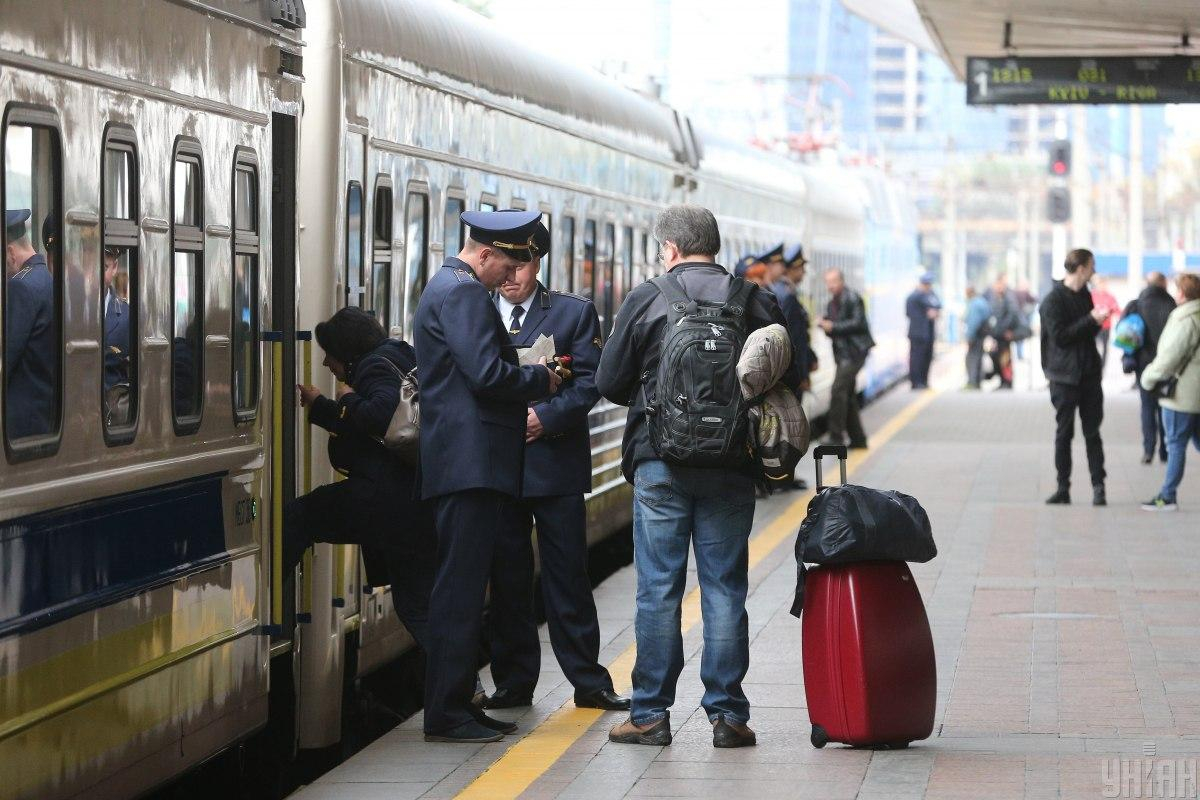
[
  {"x": 678, "y": 302},
  {"x": 738, "y": 302}
]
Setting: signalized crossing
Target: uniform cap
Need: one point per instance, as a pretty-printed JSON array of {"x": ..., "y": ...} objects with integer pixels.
[
  {"x": 794, "y": 255},
  {"x": 744, "y": 263},
  {"x": 513, "y": 232},
  {"x": 50, "y": 229},
  {"x": 541, "y": 239},
  {"x": 14, "y": 222},
  {"x": 775, "y": 254},
  {"x": 927, "y": 278}
]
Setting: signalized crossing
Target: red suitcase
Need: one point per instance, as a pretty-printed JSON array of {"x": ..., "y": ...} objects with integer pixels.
[{"x": 869, "y": 671}]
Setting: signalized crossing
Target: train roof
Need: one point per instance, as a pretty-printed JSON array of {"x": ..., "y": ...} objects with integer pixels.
[
  {"x": 441, "y": 37},
  {"x": 739, "y": 163}
]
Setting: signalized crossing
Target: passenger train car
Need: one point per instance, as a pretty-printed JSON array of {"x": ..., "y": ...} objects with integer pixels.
[{"x": 237, "y": 170}]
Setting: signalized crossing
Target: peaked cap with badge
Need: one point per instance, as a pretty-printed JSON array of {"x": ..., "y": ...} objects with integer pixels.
[
  {"x": 513, "y": 232},
  {"x": 14, "y": 223}
]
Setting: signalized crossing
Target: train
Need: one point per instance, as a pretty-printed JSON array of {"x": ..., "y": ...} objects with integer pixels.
[{"x": 238, "y": 171}]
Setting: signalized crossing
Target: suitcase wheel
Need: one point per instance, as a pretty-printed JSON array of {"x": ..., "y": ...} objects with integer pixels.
[{"x": 819, "y": 737}]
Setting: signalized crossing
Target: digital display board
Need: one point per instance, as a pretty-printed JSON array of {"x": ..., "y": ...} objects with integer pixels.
[{"x": 1093, "y": 81}]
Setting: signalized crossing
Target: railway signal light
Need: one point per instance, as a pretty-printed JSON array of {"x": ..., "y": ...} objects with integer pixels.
[
  {"x": 1058, "y": 204},
  {"x": 1060, "y": 158}
]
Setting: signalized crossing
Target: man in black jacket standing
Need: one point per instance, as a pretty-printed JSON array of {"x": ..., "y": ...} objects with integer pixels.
[
  {"x": 845, "y": 322},
  {"x": 1072, "y": 364},
  {"x": 1153, "y": 305}
]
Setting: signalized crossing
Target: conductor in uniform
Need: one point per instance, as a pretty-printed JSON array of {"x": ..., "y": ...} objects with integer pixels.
[
  {"x": 557, "y": 474},
  {"x": 474, "y": 404},
  {"x": 30, "y": 363}
]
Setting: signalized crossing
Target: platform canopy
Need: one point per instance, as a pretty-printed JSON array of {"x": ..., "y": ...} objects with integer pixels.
[{"x": 962, "y": 28}]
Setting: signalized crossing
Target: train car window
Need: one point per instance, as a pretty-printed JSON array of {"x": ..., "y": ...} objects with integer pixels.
[
  {"x": 647, "y": 259},
  {"x": 187, "y": 282},
  {"x": 453, "y": 235},
  {"x": 381, "y": 255},
  {"x": 547, "y": 267},
  {"x": 486, "y": 204},
  {"x": 354, "y": 244},
  {"x": 119, "y": 294},
  {"x": 564, "y": 270},
  {"x": 32, "y": 292},
  {"x": 583, "y": 277},
  {"x": 518, "y": 203},
  {"x": 245, "y": 286},
  {"x": 416, "y": 245},
  {"x": 625, "y": 268},
  {"x": 603, "y": 276}
]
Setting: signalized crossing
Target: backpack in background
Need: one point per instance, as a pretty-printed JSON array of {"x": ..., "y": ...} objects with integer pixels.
[{"x": 697, "y": 417}]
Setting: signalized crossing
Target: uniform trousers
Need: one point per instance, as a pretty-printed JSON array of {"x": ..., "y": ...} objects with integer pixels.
[
  {"x": 1086, "y": 398},
  {"x": 920, "y": 357},
  {"x": 466, "y": 534},
  {"x": 566, "y": 591}
]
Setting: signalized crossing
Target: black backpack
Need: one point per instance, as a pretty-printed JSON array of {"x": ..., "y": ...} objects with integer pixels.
[{"x": 697, "y": 417}]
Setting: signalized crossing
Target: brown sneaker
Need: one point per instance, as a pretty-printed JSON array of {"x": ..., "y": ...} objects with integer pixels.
[
  {"x": 657, "y": 733},
  {"x": 732, "y": 734}
]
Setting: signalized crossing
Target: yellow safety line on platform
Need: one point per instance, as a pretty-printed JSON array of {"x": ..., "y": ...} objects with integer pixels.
[{"x": 529, "y": 758}]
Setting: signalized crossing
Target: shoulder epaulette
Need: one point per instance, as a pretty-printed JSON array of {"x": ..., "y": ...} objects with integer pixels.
[
  {"x": 21, "y": 273},
  {"x": 463, "y": 275},
  {"x": 571, "y": 295}
]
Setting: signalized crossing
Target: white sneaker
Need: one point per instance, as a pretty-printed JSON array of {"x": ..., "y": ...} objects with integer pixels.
[{"x": 1157, "y": 503}]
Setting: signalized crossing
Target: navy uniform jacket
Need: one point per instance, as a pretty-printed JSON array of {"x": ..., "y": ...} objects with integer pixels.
[
  {"x": 920, "y": 326},
  {"x": 560, "y": 461},
  {"x": 30, "y": 361},
  {"x": 116, "y": 341},
  {"x": 796, "y": 321},
  {"x": 474, "y": 397}
]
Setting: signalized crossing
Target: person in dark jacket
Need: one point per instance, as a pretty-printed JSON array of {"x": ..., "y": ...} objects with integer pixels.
[
  {"x": 376, "y": 507},
  {"x": 30, "y": 335},
  {"x": 1072, "y": 364},
  {"x": 558, "y": 473},
  {"x": 474, "y": 407},
  {"x": 794, "y": 313},
  {"x": 922, "y": 309},
  {"x": 845, "y": 323},
  {"x": 676, "y": 508},
  {"x": 1153, "y": 305},
  {"x": 1006, "y": 325}
]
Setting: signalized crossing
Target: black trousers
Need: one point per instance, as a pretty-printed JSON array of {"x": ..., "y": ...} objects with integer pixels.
[
  {"x": 332, "y": 514},
  {"x": 1087, "y": 399},
  {"x": 843, "y": 402},
  {"x": 920, "y": 357},
  {"x": 467, "y": 525},
  {"x": 566, "y": 591}
]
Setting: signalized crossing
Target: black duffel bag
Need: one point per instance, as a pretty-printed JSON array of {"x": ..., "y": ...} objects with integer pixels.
[{"x": 850, "y": 523}]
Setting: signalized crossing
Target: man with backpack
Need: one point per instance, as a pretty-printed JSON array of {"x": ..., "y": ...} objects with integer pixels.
[
  {"x": 672, "y": 359},
  {"x": 1153, "y": 305}
]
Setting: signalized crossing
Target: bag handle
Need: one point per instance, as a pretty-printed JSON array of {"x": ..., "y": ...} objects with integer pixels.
[{"x": 823, "y": 450}]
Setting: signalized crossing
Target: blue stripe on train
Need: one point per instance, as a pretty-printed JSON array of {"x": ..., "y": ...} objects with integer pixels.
[{"x": 57, "y": 564}]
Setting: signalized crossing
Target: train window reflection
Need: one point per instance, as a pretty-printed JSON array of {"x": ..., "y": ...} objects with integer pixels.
[
  {"x": 381, "y": 258},
  {"x": 354, "y": 244},
  {"x": 603, "y": 276},
  {"x": 244, "y": 324},
  {"x": 564, "y": 270},
  {"x": 624, "y": 269},
  {"x": 32, "y": 364},
  {"x": 547, "y": 269},
  {"x": 416, "y": 244},
  {"x": 583, "y": 278},
  {"x": 454, "y": 226},
  {"x": 119, "y": 307},
  {"x": 187, "y": 287}
]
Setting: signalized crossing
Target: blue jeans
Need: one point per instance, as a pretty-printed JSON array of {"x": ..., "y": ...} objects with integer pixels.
[
  {"x": 1178, "y": 428},
  {"x": 713, "y": 509}
]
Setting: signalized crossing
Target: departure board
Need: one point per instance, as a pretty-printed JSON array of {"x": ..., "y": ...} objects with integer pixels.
[{"x": 1116, "y": 80}]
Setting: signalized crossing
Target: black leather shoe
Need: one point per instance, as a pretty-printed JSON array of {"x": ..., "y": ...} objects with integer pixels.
[
  {"x": 606, "y": 699},
  {"x": 509, "y": 698},
  {"x": 1060, "y": 498},
  {"x": 730, "y": 734},
  {"x": 467, "y": 733},
  {"x": 492, "y": 723},
  {"x": 1099, "y": 498}
]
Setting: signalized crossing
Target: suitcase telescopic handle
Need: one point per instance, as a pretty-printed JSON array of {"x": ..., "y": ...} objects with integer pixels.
[{"x": 838, "y": 450}]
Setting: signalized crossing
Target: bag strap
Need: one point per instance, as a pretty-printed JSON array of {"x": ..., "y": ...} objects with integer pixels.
[
  {"x": 740, "y": 290},
  {"x": 678, "y": 302}
]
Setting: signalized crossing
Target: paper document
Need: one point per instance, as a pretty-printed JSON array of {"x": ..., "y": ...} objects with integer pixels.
[{"x": 543, "y": 347}]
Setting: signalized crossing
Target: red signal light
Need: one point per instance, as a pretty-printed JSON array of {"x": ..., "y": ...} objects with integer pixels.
[{"x": 1060, "y": 168}]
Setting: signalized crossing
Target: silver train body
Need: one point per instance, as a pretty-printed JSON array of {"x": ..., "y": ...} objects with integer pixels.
[{"x": 142, "y": 613}]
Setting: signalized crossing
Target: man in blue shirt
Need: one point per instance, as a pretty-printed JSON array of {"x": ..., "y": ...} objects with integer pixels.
[{"x": 922, "y": 308}]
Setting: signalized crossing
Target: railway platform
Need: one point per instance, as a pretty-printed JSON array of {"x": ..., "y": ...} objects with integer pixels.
[{"x": 1068, "y": 642}]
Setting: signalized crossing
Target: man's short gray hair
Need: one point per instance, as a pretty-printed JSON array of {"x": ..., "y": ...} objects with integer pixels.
[{"x": 693, "y": 229}]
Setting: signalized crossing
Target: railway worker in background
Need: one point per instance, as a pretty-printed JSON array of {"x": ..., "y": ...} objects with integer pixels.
[
  {"x": 1072, "y": 364},
  {"x": 744, "y": 264},
  {"x": 116, "y": 324},
  {"x": 757, "y": 274},
  {"x": 845, "y": 323},
  {"x": 1154, "y": 305},
  {"x": 787, "y": 290},
  {"x": 976, "y": 333},
  {"x": 557, "y": 474},
  {"x": 29, "y": 333},
  {"x": 380, "y": 488},
  {"x": 49, "y": 238},
  {"x": 711, "y": 508},
  {"x": 922, "y": 308},
  {"x": 474, "y": 411}
]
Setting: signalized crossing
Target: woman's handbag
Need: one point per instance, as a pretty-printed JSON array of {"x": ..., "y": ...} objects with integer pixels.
[{"x": 404, "y": 431}]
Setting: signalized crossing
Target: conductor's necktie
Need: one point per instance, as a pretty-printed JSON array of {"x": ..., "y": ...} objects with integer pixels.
[{"x": 515, "y": 326}]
